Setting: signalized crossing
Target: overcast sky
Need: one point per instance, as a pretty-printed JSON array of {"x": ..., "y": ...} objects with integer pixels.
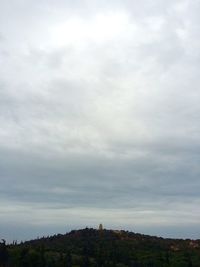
[{"x": 99, "y": 116}]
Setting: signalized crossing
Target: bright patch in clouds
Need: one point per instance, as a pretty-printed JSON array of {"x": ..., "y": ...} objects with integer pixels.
[{"x": 98, "y": 29}]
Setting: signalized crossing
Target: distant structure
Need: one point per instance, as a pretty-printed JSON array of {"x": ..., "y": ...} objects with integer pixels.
[{"x": 100, "y": 227}]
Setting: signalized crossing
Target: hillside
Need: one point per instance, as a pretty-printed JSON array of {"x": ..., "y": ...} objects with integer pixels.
[{"x": 106, "y": 248}]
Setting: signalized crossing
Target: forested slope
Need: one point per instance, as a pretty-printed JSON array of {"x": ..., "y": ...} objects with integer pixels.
[{"x": 102, "y": 248}]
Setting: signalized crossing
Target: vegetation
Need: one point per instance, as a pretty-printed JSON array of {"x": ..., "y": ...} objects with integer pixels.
[{"x": 101, "y": 248}]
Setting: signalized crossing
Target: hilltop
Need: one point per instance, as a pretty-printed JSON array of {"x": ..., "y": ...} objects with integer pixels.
[{"x": 107, "y": 248}]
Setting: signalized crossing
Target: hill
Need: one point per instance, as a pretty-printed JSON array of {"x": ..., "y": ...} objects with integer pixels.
[{"x": 101, "y": 248}]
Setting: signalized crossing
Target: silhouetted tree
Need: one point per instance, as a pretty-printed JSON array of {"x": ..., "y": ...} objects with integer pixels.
[{"x": 3, "y": 253}]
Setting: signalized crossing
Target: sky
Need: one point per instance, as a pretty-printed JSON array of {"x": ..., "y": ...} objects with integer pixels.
[{"x": 99, "y": 116}]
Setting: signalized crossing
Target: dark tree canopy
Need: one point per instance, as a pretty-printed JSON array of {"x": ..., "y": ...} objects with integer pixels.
[{"x": 105, "y": 248}]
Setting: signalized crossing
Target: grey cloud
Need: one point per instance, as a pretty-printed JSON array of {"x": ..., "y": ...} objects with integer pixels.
[{"x": 99, "y": 122}]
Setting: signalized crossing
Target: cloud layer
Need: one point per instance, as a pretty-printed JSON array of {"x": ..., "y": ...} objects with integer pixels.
[{"x": 99, "y": 115}]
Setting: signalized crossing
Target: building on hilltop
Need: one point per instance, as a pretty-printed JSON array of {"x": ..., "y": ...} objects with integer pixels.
[{"x": 100, "y": 227}]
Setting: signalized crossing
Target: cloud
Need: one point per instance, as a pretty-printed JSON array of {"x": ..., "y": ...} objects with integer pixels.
[{"x": 99, "y": 116}]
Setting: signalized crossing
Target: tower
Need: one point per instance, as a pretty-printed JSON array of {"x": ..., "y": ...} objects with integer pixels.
[{"x": 100, "y": 227}]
